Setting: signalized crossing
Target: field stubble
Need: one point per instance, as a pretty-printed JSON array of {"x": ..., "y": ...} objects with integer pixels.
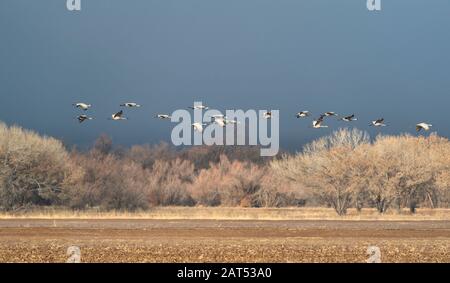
[{"x": 134, "y": 239}]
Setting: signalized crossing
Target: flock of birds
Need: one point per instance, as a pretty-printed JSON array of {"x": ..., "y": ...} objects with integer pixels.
[
  {"x": 222, "y": 120},
  {"x": 318, "y": 123}
]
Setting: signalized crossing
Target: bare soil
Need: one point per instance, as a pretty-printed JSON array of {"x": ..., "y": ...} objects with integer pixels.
[{"x": 139, "y": 240}]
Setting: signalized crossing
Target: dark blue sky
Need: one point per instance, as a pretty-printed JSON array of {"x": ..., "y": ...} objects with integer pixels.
[{"x": 320, "y": 55}]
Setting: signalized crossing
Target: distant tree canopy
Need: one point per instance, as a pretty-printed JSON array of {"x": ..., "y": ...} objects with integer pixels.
[{"x": 342, "y": 171}]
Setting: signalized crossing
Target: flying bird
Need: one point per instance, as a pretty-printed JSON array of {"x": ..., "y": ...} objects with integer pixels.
[
  {"x": 220, "y": 121},
  {"x": 83, "y": 118},
  {"x": 328, "y": 114},
  {"x": 199, "y": 107},
  {"x": 130, "y": 104},
  {"x": 317, "y": 124},
  {"x": 378, "y": 123},
  {"x": 231, "y": 121},
  {"x": 198, "y": 127},
  {"x": 423, "y": 126},
  {"x": 349, "y": 118},
  {"x": 267, "y": 115},
  {"x": 218, "y": 116},
  {"x": 302, "y": 114},
  {"x": 83, "y": 106},
  {"x": 163, "y": 116},
  {"x": 118, "y": 116}
]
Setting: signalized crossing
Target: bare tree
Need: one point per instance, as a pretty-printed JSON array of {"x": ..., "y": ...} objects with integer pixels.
[
  {"x": 327, "y": 167},
  {"x": 403, "y": 169}
]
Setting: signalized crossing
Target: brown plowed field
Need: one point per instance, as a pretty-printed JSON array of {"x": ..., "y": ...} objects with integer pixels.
[{"x": 135, "y": 240}]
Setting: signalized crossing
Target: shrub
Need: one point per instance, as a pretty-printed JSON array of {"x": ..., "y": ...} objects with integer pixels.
[
  {"x": 147, "y": 155},
  {"x": 229, "y": 184},
  {"x": 106, "y": 182},
  {"x": 168, "y": 183},
  {"x": 32, "y": 168}
]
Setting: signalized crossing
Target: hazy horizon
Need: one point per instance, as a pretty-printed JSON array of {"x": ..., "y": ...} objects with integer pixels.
[{"x": 314, "y": 55}]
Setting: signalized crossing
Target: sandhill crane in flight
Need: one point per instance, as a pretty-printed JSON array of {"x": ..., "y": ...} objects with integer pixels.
[
  {"x": 317, "y": 124},
  {"x": 302, "y": 114},
  {"x": 223, "y": 121},
  {"x": 198, "y": 127},
  {"x": 350, "y": 118},
  {"x": 378, "y": 123},
  {"x": 199, "y": 107},
  {"x": 118, "y": 116},
  {"x": 218, "y": 116},
  {"x": 423, "y": 126},
  {"x": 83, "y": 118},
  {"x": 231, "y": 122},
  {"x": 163, "y": 116},
  {"x": 219, "y": 119},
  {"x": 83, "y": 106},
  {"x": 267, "y": 115},
  {"x": 130, "y": 105},
  {"x": 328, "y": 114}
]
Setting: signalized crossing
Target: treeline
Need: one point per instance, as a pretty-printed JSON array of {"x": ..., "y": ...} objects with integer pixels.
[
  {"x": 347, "y": 170},
  {"x": 341, "y": 171}
]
